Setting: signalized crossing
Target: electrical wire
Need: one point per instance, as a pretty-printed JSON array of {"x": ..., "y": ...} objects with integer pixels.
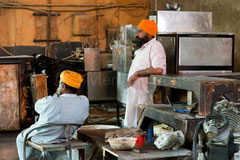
[{"x": 195, "y": 137}]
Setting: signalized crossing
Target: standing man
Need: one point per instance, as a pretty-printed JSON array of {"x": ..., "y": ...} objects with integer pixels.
[
  {"x": 64, "y": 107},
  {"x": 149, "y": 59}
]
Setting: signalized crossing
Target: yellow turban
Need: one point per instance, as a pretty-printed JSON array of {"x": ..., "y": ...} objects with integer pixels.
[
  {"x": 148, "y": 26},
  {"x": 71, "y": 78}
]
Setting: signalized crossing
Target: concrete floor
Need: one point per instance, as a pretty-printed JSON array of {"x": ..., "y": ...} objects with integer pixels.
[{"x": 8, "y": 149}]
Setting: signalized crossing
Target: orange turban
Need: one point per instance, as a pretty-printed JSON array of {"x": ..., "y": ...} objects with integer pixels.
[
  {"x": 148, "y": 26},
  {"x": 71, "y": 78}
]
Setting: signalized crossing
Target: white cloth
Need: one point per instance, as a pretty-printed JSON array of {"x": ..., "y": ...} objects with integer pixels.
[
  {"x": 67, "y": 108},
  {"x": 151, "y": 54}
]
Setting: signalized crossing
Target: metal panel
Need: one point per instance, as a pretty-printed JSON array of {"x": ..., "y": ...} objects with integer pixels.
[
  {"x": 203, "y": 72},
  {"x": 9, "y": 101},
  {"x": 169, "y": 43},
  {"x": 105, "y": 59},
  {"x": 122, "y": 58},
  {"x": 122, "y": 87},
  {"x": 182, "y": 21},
  {"x": 112, "y": 34},
  {"x": 102, "y": 85},
  {"x": 128, "y": 34},
  {"x": 92, "y": 59},
  {"x": 205, "y": 51}
]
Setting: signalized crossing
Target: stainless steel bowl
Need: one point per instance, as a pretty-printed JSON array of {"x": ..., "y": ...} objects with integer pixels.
[{"x": 174, "y": 6}]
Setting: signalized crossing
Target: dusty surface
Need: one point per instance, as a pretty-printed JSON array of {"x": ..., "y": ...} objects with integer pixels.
[
  {"x": 9, "y": 101},
  {"x": 8, "y": 148}
]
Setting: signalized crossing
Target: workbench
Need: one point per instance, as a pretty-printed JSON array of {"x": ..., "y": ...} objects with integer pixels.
[
  {"x": 184, "y": 122},
  {"x": 148, "y": 151},
  {"x": 206, "y": 89}
]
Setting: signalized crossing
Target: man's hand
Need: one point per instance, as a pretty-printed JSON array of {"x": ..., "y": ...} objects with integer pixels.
[
  {"x": 132, "y": 79},
  {"x": 144, "y": 73}
]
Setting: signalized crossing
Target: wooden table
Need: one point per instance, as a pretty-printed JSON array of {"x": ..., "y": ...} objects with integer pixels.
[
  {"x": 164, "y": 114},
  {"x": 148, "y": 151}
]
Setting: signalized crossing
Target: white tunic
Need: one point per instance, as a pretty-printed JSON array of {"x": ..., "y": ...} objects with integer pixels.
[
  {"x": 67, "y": 108},
  {"x": 150, "y": 54}
]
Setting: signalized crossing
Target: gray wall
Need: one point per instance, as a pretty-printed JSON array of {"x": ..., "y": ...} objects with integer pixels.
[{"x": 226, "y": 17}]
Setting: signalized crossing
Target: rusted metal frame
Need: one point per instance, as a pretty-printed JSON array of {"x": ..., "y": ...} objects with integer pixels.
[
  {"x": 151, "y": 93},
  {"x": 210, "y": 93},
  {"x": 237, "y": 91},
  {"x": 235, "y": 76},
  {"x": 177, "y": 120},
  {"x": 186, "y": 83},
  {"x": 206, "y": 89}
]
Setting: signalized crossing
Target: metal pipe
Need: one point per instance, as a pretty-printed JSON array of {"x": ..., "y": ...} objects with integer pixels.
[
  {"x": 79, "y": 10},
  {"x": 23, "y": 7},
  {"x": 77, "y": 5},
  {"x": 66, "y": 5},
  {"x": 48, "y": 36},
  {"x": 9, "y": 53}
]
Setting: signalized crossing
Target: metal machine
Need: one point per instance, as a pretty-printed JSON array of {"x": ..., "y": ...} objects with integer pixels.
[
  {"x": 214, "y": 137},
  {"x": 190, "y": 44},
  {"x": 122, "y": 58},
  {"x": 182, "y": 21},
  {"x": 101, "y": 79},
  {"x": 198, "y": 52}
]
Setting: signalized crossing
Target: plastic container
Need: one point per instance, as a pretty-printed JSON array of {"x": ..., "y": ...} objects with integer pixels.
[
  {"x": 139, "y": 141},
  {"x": 149, "y": 135}
]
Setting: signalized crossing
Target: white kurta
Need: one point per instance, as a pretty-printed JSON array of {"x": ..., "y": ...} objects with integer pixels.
[
  {"x": 67, "y": 108},
  {"x": 151, "y": 54}
]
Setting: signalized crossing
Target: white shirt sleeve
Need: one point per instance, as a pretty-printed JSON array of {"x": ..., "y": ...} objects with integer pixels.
[
  {"x": 158, "y": 56},
  {"x": 42, "y": 103}
]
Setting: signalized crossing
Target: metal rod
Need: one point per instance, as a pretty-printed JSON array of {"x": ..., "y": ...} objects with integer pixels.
[
  {"x": 66, "y": 5},
  {"x": 69, "y": 56},
  {"x": 23, "y": 7},
  {"x": 48, "y": 29},
  {"x": 79, "y": 10},
  {"x": 78, "y": 5},
  {"x": 9, "y": 53}
]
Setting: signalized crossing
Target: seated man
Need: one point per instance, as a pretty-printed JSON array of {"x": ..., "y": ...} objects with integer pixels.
[{"x": 64, "y": 107}]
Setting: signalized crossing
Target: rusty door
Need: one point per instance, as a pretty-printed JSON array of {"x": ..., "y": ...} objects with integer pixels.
[{"x": 9, "y": 97}]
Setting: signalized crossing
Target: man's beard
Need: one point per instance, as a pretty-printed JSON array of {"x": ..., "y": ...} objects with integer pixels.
[
  {"x": 141, "y": 41},
  {"x": 59, "y": 89}
]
